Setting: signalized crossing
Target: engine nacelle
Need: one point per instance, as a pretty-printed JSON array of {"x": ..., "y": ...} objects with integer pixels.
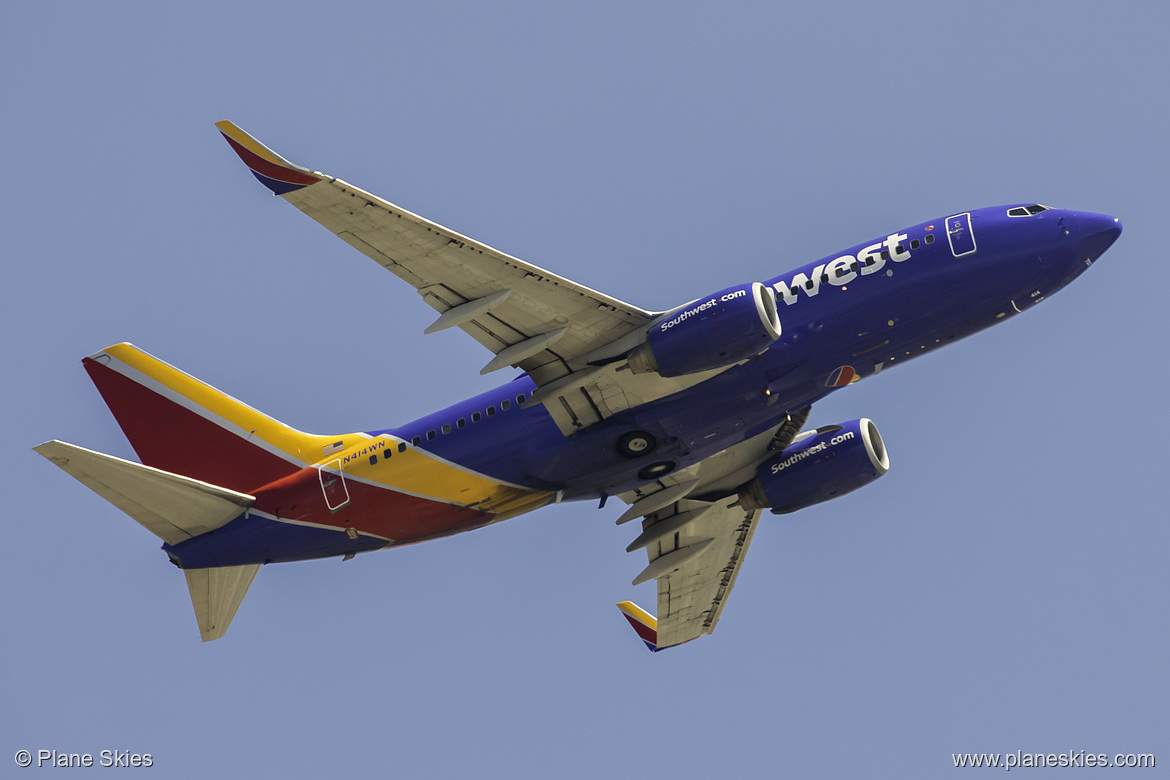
[
  {"x": 712, "y": 332},
  {"x": 823, "y": 464}
]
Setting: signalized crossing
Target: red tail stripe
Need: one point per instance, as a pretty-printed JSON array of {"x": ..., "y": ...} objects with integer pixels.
[
  {"x": 171, "y": 437},
  {"x": 644, "y": 631}
]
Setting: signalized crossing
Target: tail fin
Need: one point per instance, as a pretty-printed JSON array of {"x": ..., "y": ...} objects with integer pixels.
[
  {"x": 174, "y": 508},
  {"x": 643, "y": 623},
  {"x": 181, "y": 425}
]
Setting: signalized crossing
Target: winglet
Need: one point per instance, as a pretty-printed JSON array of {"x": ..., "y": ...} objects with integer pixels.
[
  {"x": 643, "y": 623},
  {"x": 273, "y": 171}
]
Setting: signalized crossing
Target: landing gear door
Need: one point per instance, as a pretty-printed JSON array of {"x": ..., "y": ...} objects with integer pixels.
[
  {"x": 960, "y": 235},
  {"x": 333, "y": 485}
]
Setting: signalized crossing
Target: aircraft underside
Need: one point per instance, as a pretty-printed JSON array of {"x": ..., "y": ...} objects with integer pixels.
[{"x": 693, "y": 418}]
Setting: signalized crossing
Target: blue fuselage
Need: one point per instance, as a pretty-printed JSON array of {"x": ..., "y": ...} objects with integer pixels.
[{"x": 847, "y": 316}]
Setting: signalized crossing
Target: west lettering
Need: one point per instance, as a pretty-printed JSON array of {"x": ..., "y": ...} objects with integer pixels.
[
  {"x": 893, "y": 242},
  {"x": 840, "y": 272},
  {"x": 871, "y": 259},
  {"x": 801, "y": 283}
]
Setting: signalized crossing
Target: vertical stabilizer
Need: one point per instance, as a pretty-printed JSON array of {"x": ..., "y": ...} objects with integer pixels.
[{"x": 182, "y": 425}]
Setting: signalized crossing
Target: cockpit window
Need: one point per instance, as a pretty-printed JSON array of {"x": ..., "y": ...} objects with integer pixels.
[{"x": 1027, "y": 211}]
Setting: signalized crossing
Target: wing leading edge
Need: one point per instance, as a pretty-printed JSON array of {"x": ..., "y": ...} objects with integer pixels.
[
  {"x": 544, "y": 321},
  {"x": 570, "y": 339}
]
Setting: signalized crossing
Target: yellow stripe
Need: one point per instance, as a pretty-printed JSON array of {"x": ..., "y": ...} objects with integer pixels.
[
  {"x": 305, "y": 447},
  {"x": 413, "y": 471},
  {"x": 639, "y": 614},
  {"x": 250, "y": 143}
]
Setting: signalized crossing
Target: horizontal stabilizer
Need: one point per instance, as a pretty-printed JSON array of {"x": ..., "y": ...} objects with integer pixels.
[
  {"x": 216, "y": 594},
  {"x": 172, "y": 507}
]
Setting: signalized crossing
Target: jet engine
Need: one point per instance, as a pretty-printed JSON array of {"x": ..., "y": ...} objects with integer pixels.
[
  {"x": 712, "y": 332},
  {"x": 819, "y": 465}
]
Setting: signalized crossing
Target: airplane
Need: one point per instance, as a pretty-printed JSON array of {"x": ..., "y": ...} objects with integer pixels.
[{"x": 693, "y": 417}]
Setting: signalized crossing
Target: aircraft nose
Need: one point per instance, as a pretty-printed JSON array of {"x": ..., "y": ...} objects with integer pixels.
[{"x": 1095, "y": 233}]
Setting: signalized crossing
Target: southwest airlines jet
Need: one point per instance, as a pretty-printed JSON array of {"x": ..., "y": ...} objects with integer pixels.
[{"x": 693, "y": 417}]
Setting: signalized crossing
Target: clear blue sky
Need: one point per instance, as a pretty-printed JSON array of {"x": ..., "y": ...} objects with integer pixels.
[{"x": 1003, "y": 588}]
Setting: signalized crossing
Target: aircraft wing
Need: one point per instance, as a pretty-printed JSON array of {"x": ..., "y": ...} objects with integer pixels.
[
  {"x": 696, "y": 535},
  {"x": 696, "y": 554},
  {"x": 527, "y": 316}
]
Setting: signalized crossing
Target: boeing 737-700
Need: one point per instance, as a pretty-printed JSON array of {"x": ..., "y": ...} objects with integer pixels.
[{"x": 693, "y": 417}]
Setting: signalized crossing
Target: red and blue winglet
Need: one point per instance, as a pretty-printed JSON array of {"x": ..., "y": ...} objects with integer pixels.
[
  {"x": 273, "y": 171},
  {"x": 643, "y": 623}
]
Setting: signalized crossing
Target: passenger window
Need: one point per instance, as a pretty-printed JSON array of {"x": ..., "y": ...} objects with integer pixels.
[
  {"x": 417, "y": 440},
  {"x": 461, "y": 423},
  {"x": 491, "y": 411},
  {"x": 505, "y": 405},
  {"x": 519, "y": 399},
  {"x": 885, "y": 254},
  {"x": 808, "y": 285},
  {"x": 430, "y": 435},
  {"x": 402, "y": 446},
  {"x": 475, "y": 417},
  {"x": 930, "y": 238},
  {"x": 446, "y": 428},
  {"x": 373, "y": 460},
  {"x": 386, "y": 453},
  {"x": 914, "y": 244}
]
